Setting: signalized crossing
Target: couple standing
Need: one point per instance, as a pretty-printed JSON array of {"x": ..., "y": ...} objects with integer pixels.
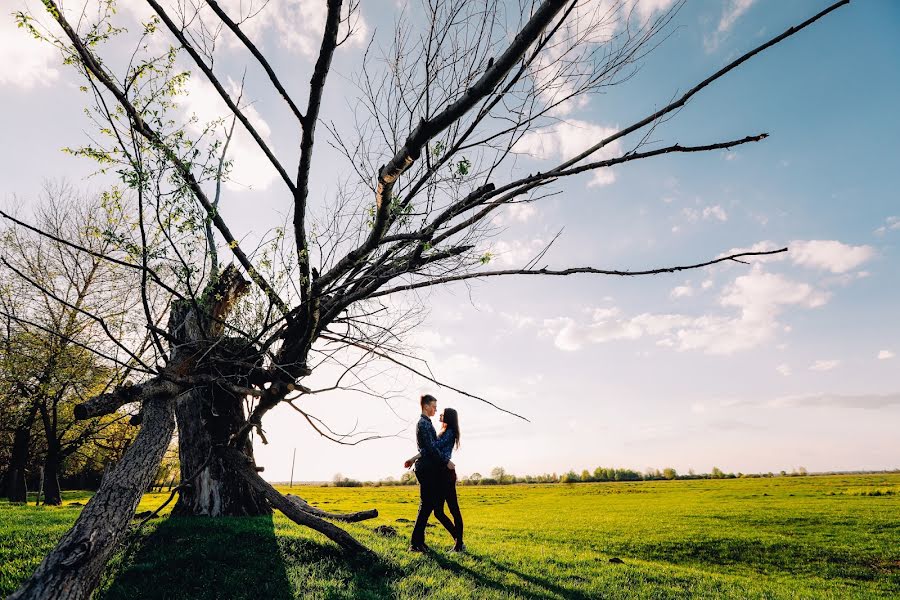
[{"x": 436, "y": 474}]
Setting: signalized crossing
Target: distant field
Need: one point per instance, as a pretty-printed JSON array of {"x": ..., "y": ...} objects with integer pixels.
[{"x": 805, "y": 537}]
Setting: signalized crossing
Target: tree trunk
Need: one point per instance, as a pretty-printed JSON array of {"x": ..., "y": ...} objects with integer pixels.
[
  {"x": 210, "y": 415},
  {"x": 52, "y": 493},
  {"x": 72, "y": 570},
  {"x": 207, "y": 417},
  {"x": 14, "y": 487}
]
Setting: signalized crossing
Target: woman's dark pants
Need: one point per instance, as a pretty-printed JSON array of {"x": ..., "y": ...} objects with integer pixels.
[{"x": 455, "y": 527}]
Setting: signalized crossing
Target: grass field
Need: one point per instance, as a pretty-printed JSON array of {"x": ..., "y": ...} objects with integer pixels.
[{"x": 804, "y": 537}]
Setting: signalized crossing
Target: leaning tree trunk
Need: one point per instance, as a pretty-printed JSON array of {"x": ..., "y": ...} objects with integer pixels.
[
  {"x": 14, "y": 486},
  {"x": 72, "y": 570},
  {"x": 207, "y": 418}
]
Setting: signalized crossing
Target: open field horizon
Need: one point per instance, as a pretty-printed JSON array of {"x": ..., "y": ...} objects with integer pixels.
[
  {"x": 680, "y": 476},
  {"x": 830, "y": 536}
]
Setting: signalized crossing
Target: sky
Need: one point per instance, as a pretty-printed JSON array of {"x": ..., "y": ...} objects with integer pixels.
[{"x": 784, "y": 362}]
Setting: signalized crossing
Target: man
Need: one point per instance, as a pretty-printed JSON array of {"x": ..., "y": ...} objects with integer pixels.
[{"x": 428, "y": 470}]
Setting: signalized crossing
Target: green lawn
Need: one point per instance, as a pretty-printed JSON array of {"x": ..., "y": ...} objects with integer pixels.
[{"x": 805, "y": 537}]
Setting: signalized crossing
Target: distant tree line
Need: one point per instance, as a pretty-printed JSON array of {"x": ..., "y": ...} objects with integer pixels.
[{"x": 499, "y": 476}]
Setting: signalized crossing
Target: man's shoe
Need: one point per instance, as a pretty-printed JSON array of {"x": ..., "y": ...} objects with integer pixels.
[
  {"x": 459, "y": 547},
  {"x": 413, "y": 548}
]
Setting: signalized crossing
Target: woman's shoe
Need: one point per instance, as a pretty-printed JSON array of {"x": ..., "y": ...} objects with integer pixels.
[{"x": 459, "y": 547}]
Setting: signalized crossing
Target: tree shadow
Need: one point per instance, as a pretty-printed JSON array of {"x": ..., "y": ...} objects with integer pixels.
[
  {"x": 547, "y": 588},
  {"x": 201, "y": 558}
]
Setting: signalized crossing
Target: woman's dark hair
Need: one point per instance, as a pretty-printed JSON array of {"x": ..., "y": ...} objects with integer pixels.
[
  {"x": 426, "y": 399},
  {"x": 451, "y": 420}
]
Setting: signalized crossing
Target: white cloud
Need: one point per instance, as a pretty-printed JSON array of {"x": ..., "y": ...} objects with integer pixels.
[
  {"x": 569, "y": 138},
  {"x": 517, "y": 211},
  {"x": 459, "y": 363},
  {"x": 27, "y": 62},
  {"x": 682, "y": 291},
  {"x": 715, "y": 212},
  {"x": 515, "y": 253},
  {"x": 296, "y": 25},
  {"x": 426, "y": 338},
  {"x": 825, "y": 255},
  {"x": 764, "y": 246},
  {"x": 890, "y": 224},
  {"x": 706, "y": 213},
  {"x": 706, "y": 284},
  {"x": 824, "y": 365},
  {"x": 885, "y": 354},
  {"x": 829, "y": 255},
  {"x": 784, "y": 370},
  {"x": 647, "y": 8},
  {"x": 758, "y": 297},
  {"x": 518, "y": 321},
  {"x": 730, "y": 15},
  {"x": 250, "y": 167},
  {"x": 866, "y": 401},
  {"x": 591, "y": 22}
]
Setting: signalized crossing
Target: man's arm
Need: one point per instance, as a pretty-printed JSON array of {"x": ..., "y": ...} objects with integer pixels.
[{"x": 409, "y": 462}]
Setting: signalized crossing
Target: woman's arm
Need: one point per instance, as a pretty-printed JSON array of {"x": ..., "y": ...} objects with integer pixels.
[
  {"x": 409, "y": 462},
  {"x": 426, "y": 439}
]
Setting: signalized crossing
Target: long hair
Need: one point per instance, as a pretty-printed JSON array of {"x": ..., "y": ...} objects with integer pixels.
[{"x": 451, "y": 420}]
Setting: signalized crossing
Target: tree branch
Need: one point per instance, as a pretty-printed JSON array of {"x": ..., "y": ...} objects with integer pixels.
[
  {"x": 571, "y": 271},
  {"x": 257, "y": 55},
  {"x": 694, "y": 90},
  {"x": 426, "y": 129},
  {"x": 92, "y": 65},
  {"x": 419, "y": 373},
  {"x": 210, "y": 76},
  {"x": 242, "y": 466},
  {"x": 353, "y": 517},
  {"x": 316, "y": 89}
]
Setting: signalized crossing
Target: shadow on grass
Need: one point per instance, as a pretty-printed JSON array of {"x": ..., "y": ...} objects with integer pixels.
[
  {"x": 545, "y": 587},
  {"x": 200, "y": 558}
]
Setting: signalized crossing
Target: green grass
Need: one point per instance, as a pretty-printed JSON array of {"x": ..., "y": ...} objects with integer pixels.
[{"x": 805, "y": 537}]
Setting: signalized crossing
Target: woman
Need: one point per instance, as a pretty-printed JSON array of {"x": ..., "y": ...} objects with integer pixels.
[{"x": 447, "y": 440}]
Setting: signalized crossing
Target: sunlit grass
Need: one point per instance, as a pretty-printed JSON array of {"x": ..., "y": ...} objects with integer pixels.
[{"x": 831, "y": 537}]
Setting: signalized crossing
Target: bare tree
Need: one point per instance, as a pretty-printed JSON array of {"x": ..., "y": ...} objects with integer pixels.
[{"x": 440, "y": 116}]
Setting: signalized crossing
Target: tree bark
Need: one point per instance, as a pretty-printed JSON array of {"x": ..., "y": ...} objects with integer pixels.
[
  {"x": 52, "y": 493},
  {"x": 207, "y": 418},
  {"x": 72, "y": 570},
  {"x": 209, "y": 415},
  {"x": 14, "y": 487},
  {"x": 353, "y": 517}
]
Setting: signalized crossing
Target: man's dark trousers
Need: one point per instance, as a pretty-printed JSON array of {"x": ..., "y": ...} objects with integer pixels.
[{"x": 429, "y": 499}]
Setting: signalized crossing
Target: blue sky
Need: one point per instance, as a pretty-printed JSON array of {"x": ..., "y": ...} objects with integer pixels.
[{"x": 759, "y": 367}]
